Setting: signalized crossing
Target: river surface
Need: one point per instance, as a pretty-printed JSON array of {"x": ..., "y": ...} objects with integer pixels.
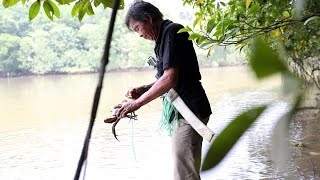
[{"x": 44, "y": 120}]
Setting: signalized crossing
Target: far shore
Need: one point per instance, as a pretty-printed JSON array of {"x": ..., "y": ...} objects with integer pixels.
[{"x": 9, "y": 75}]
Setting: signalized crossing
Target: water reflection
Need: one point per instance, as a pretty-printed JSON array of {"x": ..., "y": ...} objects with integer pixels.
[{"x": 44, "y": 120}]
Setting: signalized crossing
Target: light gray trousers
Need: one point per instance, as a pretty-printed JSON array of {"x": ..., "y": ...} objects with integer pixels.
[{"x": 186, "y": 151}]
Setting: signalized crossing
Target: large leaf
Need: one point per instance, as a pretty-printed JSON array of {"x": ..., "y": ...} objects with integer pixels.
[
  {"x": 279, "y": 153},
  {"x": 264, "y": 60},
  {"x": 34, "y": 10},
  {"x": 229, "y": 136}
]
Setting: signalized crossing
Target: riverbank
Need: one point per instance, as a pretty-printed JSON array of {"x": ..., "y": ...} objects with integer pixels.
[
  {"x": 10, "y": 75},
  {"x": 305, "y": 146}
]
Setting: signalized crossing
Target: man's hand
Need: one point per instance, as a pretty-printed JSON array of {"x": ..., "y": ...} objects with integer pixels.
[
  {"x": 135, "y": 93},
  {"x": 127, "y": 108}
]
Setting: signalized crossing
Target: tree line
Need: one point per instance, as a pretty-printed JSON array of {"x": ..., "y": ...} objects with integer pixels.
[{"x": 66, "y": 45}]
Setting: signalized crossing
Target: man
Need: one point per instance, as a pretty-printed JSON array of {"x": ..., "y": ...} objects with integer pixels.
[{"x": 177, "y": 68}]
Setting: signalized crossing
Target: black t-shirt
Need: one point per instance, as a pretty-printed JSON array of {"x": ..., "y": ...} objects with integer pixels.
[{"x": 175, "y": 50}]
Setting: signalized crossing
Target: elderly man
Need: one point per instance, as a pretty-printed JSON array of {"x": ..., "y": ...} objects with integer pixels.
[{"x": 177, "y": 68}]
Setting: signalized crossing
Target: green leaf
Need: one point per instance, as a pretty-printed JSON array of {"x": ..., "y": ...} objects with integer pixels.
[
  {"x": 55, "y": 8},
  {"x": 107, "y": 3},
  {"x": 62, "y": 2},
  {"x": 286, "y": 14},
  {"x": 9, "y": 3},
  {"x": 23, "y": 2},
  {"x": 205, "y": 43},
  {"x": 96, "y": 3},
  {"x": 194, "y": 36},
  {"x": 186, "y": 29},
  {"x": 311, "y": 19},
  {"x": 197, "y": 21},
  {"x": 264, "y": 60},
  {"x": 121, "y": 6},
  {"x": 210, "y": 25},
  {"x": 230, "y": 135},
  {"x": 253, "y": 9},
  {"x": 48, "y": 9},
  {"x": 75, "y": 9},
  {"x": 200, "y": 40},
  {"x": 34, "y": 10},
  {"x": 90, "y": 11}
]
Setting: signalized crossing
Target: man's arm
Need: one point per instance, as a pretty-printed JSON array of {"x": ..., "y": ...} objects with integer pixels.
[{"x": 161, "y": 86}]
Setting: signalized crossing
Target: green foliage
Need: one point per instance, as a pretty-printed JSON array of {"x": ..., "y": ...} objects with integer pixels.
[
  {"x": 50, "y": 7},
  {"x": 230, "y": 135},
  {"x": 65, "y": 45},
  {"x": 283, "y": 24}
]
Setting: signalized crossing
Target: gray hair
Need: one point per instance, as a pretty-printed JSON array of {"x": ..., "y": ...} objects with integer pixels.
[{"x": 138, "y": 11}]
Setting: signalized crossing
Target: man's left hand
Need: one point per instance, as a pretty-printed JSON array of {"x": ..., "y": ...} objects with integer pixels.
[{"x": 128, "y": 107}]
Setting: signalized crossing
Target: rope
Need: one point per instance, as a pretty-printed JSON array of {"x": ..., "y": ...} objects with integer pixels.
[
  {"x": 82, "y": 164},
  {"x": 132, "y": 140}
]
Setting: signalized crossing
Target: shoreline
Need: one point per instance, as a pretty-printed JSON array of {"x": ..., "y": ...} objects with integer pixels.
[{"x": 7, "y": 75}]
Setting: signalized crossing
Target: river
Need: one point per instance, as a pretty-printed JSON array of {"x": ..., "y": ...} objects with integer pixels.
[{"x": 44, "y": 120}]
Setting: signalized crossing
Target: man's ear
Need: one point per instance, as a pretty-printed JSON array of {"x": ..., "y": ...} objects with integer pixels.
[{"x": 148, "y": 17}]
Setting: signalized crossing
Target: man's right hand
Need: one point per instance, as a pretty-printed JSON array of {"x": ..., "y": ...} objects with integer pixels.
[{"x": 135, "y": 93}]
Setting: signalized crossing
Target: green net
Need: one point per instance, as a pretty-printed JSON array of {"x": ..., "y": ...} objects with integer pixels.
[{"x": 169, "y": 115}]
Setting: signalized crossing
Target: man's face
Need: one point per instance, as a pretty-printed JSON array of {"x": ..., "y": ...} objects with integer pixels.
[{"x": 144, "y": 29}]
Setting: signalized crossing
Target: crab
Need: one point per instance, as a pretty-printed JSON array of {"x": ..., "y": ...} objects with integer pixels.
[{"x": 114, "y": 119}]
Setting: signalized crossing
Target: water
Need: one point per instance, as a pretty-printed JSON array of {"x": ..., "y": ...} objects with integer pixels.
[{"x": 44, "y": 120}]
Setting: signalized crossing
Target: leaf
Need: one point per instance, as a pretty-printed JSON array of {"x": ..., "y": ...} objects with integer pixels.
[
  {"x": 75, "y": 9},
  {"x": 197, "y": 21},
  {"x": 107, "y": 3},
  {"x": 81, "y": 14},
  {"x": 48, "y": 10},
  {"x": 34, "y": 10},
  {"x": 90, "y": 11},
  {"x": 279, "y": 153},
  {"x": 253, "y": 9},
  {"x": 264, "y": 60},
  {"x": 194, "y": 36},
  {"x": 286, "y": 14},
  {"x": 96, "y": 3},
  {"x": 9, "y": 3},
  {"x": 311, "y": 19},
  {"x": 62, "y": 2},
  {"x": 206, "y": 43},
  {"x": 248, "y": 2},
  {"x": 186, "y": 29},
  {"x": 55, "y": 8},
  {"x": 23, "y": 2},
  {"x": 200, "y": 40},
  {"x": 230, "y": 135},
  {"x": 211, "y": 24},
  {"x": 121, "y": 6}
]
